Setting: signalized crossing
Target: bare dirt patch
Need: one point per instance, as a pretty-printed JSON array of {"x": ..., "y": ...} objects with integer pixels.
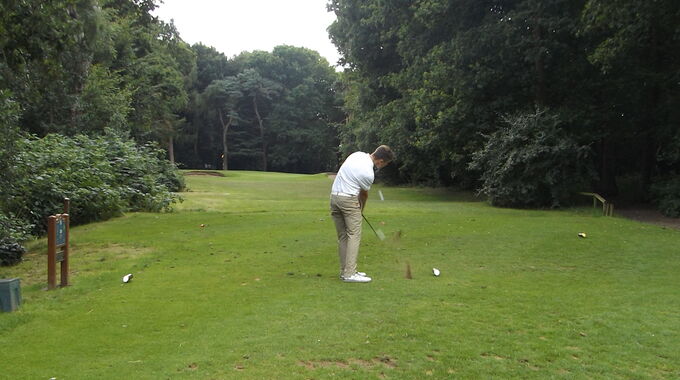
[
  {"x": 383, "y": 361},
  {"x": 648, "y": 215},
  {"x": 196, "y": 172}
]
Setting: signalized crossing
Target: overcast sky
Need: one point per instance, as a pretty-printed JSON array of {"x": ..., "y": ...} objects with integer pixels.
[{"x": 234, "y": 26}]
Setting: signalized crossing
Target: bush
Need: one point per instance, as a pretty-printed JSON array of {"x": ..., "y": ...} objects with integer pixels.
[
  {"x": 666, "y": 193},
  {"x": 11, "y": 253},
  {"x": 103, "y": 176},
  {"x": 57, "y": 167},
  {"x": 147, "y": 181},
  {"x": 12, "y": 231},
  {"x": 532, "y": 162}
]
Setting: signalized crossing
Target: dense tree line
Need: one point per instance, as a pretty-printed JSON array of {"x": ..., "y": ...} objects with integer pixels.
[
  {"x": 521, "y": 98},
  {"x": 81, "y": 66},
  {"x": 89, "y": 89},
  {"x": 529, "y": 101},
  {"x": 276, "y": 110}
]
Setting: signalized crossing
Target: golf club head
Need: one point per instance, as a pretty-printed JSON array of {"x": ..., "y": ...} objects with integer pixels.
[{"x": 380, "y": 234}]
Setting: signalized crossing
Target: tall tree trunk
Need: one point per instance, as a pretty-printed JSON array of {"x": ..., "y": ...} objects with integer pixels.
[
  {"x": 225, "y": 151},
  {"x": 83, "y": 68},
  {"x": 264, "y": 143},
  {"x": 171, "y": 150},
  {"x": 196, "y": 147}
]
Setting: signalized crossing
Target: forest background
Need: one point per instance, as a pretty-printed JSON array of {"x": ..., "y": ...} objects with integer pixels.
[{"x": 527, "y": 101}]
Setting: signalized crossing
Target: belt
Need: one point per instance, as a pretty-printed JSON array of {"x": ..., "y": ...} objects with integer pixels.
[{"x": 340, "y": 194}]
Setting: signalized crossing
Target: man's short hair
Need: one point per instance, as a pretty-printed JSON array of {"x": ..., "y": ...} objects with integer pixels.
[{"x": 383, "y": 152}]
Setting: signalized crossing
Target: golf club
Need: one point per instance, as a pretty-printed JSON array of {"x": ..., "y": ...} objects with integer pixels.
[{"x": 378, "y": 233}]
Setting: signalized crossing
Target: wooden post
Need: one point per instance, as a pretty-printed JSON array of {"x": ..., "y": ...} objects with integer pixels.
[
  {"x": 58, "y": 231},
  {"x": 51, "y": 252},
  {"x": 64, "y": 263}
]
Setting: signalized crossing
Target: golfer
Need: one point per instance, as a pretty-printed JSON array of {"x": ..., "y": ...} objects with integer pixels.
[{"x": 348, "y": 199}]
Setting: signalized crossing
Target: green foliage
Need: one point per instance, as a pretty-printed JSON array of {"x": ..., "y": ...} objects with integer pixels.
[
  {"x": 210, "y": 65},
  {"x": 145, "y": 178},
  {"x": 105, "y": 103},
  {"x": 9, "y": 133},
  {"x": 531, "y": 162},
  {"x": 158, "y": 94},
  {"x": 83, "y": 66},
  {"x": 57, "y": 167},
  {"x": 102, "y": 176},
  {"x": 430, "y": 78},
  {"x": 12, "y": 231},
  {"x": 301, "y": 135},
  {"x": 47, "y": 50},
  {"x": 666, "y": 193},
  {"x": 279, "y": 111},
  {"x": 635, "y": 45}
]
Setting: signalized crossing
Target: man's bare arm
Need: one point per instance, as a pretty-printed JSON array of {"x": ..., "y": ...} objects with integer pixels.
[{"x": 363, "y": 197}]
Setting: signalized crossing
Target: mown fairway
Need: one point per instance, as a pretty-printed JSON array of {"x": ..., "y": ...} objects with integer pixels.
[{"x": 255, "y": 294}]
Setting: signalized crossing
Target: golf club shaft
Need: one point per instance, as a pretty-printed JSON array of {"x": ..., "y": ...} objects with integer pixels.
[{"x": 369, "y": 224}]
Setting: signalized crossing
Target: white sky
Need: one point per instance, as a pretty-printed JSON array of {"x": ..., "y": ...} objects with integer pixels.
[{"x": 234, "y": 26}]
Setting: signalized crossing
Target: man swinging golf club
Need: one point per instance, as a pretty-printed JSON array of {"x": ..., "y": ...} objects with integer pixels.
[{"x": 348, "y": 198}]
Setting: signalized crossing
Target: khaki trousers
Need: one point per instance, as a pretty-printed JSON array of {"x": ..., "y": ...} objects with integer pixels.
[{"x": 346, "y": 213}]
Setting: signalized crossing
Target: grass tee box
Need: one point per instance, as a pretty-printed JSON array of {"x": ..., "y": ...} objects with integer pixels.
[
  {"x": 10, "y": 294},
  {"x": 241, "y": 282}
]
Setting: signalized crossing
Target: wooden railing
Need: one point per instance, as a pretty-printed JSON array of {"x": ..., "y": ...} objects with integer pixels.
[{"x": 607, "y": 207}]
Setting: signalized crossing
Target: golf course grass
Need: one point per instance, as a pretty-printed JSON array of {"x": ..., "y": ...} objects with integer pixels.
[{"x": 241, "y": 282}]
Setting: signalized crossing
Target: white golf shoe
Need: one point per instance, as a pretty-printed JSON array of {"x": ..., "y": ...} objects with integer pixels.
[
  {"x": 356, "y": 277},
  {"x": 359, "y": 273}
]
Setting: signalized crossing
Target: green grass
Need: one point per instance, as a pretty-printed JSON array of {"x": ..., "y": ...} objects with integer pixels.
[{"x": 255, "y": 293}]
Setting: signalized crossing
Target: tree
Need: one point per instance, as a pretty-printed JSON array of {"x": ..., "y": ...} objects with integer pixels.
[
  {"x": 222, "y": 97},
  {"x": 46, "y": 53},
  {"x": 260, "y": 90},
  {"x": 158, "y": 94},
  {"x": 286, "y": 106},
  {"x": 636, "y": 47},
  {"x": 429, "y": 77},
  {"x": 532, "y": 162},
  {"x": 302, "y": 134},
  {"x": 9, "y": 130},
  {"x": 105, "y": 102}
]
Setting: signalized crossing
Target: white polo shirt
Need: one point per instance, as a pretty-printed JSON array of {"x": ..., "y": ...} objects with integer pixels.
[{"x": 355, "y": 174}]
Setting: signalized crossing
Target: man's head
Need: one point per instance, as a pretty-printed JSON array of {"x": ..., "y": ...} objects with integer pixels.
[{"x": 382, "y": 156}]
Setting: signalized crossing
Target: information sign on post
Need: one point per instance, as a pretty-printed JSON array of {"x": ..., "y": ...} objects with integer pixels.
[
  {"x": 58, "y": 247},
  {"x": 61, "y": 231}
]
